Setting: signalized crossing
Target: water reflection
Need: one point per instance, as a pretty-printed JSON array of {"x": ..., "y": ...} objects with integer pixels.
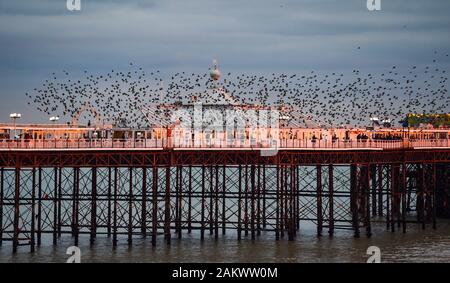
[{"x": 416, "y": 245}]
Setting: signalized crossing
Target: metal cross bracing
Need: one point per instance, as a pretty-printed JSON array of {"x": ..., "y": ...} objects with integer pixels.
[
  {"x": 443, "y": 194},
  {"x": 17, "y": 195},
  {"x": 162, "y": 195},
  {"x": 139, "y": 158}
]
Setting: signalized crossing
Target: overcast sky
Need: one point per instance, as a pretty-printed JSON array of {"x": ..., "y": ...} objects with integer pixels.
[{"x": 38, "y": 37}]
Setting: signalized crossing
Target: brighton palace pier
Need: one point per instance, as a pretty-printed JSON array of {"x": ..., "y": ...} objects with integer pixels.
[{"x": 166, "y": 180}]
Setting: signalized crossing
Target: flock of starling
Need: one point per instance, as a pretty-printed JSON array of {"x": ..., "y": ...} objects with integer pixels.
[{"x": 326, "y": 99}]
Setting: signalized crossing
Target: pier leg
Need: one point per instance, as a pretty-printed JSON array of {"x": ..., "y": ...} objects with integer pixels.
[
  {"x": 404, "y": 194},
  {"x": 93, "y": 206},
  {"x": 239, "y": 202},
  {"x": 264, "y": 222},
  {"x": 291, "y": 223},
  {"x": 211, "y": 200},
  {"x": 330, "y": 200},
  {"x": 388, "y": 196},
  {"x": 223, "y": 200},
  {"x": 33, "y": 212},
  {"x": 76, "y": 205},
  {"x": 144, "y": 203},
  {"x": 353, "y": 198},
  {"x": 366, "y": 180},
  {"x": 216, "y": 204},
  {"x": 258, "y": 203},
  {"x": 16, "y": 209},
  {"x": 154, "y": 205},
  {"x": 202, "y": 220},
  {"x": 190, "y": 201},
  {"x": 393, "y": 197},
  {"x": 115, "y": 207},
  {"x": 399, "y": 193},
  {"x": 246, "y": 202},
  {"x": 380, "y": 189},
  {"x": 167, "y": 207},
  {"x": 180, "y": 201},
  {"x": 434, "y": 195},
  {"x": 297, "y": 193},
  {"x": 294, "y": 199},
  {"x": 130, "y": 207},
  {"x": 319, "y": 200},
  {"x": 411, "y": 184},
  {"x": 55, "y": 206},
  {"x": 39, "y": 213},
  {"x": 277, "y": 212},
  {"x": 108, "y": 221},
  {"x": 286, "y": 199},
  {"x": 59, "y": 202},
  {"x": 419, "y": 194},
  {"x": 1, "y": 204},
  {"x": 429, "y": 192},
  {"x": 282, "y": 187},
  {"x": 422, "y": 198},
  {"x": 373, "y": 172},
  {"x": 252, "y": 201},
  {"x": 177, "y": 196}
]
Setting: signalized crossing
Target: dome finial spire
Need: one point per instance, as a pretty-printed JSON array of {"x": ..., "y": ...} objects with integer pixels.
[{"x": 215, "y": 73}]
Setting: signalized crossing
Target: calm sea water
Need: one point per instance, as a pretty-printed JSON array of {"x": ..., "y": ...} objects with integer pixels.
[{"x": 416, "y": 245}]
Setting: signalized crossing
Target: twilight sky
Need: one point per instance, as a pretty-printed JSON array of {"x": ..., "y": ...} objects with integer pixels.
[{"x": 38, "y": 37}]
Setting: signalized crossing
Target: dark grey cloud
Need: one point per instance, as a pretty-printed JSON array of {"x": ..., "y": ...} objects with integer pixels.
[{"x": 39, "y": 37}]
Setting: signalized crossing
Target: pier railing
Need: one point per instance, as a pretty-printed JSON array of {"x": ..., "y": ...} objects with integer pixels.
[{"x": 218, "y": 144}]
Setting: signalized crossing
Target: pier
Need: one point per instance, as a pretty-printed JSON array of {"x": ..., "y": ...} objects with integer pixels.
[{"x": 128, "y": 189}]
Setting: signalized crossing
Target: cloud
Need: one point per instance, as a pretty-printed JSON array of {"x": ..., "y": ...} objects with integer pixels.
[{"x": 39, "y": 37}]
